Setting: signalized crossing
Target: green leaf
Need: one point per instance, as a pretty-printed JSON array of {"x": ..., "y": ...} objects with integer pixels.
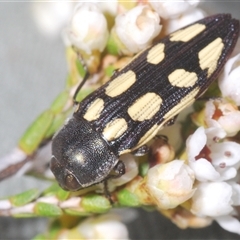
[
  {"x": 143, "y": 169},
  {"x": 62, "y": 195},
  {"x": 83, "y": 93},
  {"x": 126, "y": 198},
  {"x": 24, "y": 198},
  {"x": 112, "y": 46},
  {"x": 34, "y": 135},
  {"x": 60, "y": 102},
  {"x": 77, "y": 212},
  {"x": 24, "y": 215},
  {"x": 109, "y": 70},
  {"x": 56, "y": 190},
  {"x": 57, "y": 122},
  {"x": 52, "y": 190},
  {"x": 95, "y": 203},
  {"x": 47, "y": 210}
]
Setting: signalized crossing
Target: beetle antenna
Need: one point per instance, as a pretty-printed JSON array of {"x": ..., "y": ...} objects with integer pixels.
[{"x": 80, "y": 59}]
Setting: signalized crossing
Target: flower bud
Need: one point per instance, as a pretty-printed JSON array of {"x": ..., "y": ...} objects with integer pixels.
[
  {"x": 223, "y": 114},
  {"x": 170, "y": 184},
  {"x": 135, "y": 29},
  {"x": 172, "y": 9},
  {"x": 88, "y": 29},
  {"x": 103, "y": 227}
]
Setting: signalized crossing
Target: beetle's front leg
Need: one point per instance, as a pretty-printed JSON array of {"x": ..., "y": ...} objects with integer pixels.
[{"x": 118, "y": 170}]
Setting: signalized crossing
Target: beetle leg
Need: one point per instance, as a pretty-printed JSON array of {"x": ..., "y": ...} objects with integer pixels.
[
  {"x": 164, "y": 138},
  {"x": 171, "y": 121},
  {"x": 107, "y": 194},
  {"x": 118, "y": 170},
  {"x": 141, "y": 151}
]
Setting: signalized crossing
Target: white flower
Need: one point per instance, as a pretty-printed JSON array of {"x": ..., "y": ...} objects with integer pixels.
[
  {"x": 222, "y": 114},
  {"x": 88, "y": 29},
  {"x": 229, "y": 80},
  {"x": 173, "y": 9},
  {"x": 212, "y": 199},
  {"x": 212, "y": 160},
  {"x": 170, "y": 184},
  {"x": 216, "y": 200},
  {"x": 137, "y": 28},
  {"x": 183, "y": 20},
  {"x": 52, "y": 17},
  {"x": 105, "y": 226}
]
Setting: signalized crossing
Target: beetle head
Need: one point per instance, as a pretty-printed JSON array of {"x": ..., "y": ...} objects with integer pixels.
[{"x": 80, "y": 156}]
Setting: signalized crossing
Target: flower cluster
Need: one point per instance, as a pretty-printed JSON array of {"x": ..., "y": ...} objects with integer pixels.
[{"x": 200, "y": 183}]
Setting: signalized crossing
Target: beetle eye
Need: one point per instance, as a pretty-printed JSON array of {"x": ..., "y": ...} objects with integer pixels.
[{"x": 71, "y": 183}]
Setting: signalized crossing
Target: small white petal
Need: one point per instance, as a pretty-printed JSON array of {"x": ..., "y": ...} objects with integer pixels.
[
  {"x": 185, "y": 19},
  {"x": 204, "y": 170},
  {"x": 226, "y": 153},
  {"x": 236, "y": 194},
  {"x": 171, "y": 8},
  {"x": 195, "y": 143},
  {"x": 230, "y": 123},
  {"x": 226, "y": 173},
  {"x": 213, "y": 133},
  {"x": 229, "y": 223},
  {"x": 229, "y": 80},
  {"x": 212, "y": 199}
]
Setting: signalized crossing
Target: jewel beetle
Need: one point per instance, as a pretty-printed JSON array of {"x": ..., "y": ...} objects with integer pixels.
[{"x": 140, "y": 99}]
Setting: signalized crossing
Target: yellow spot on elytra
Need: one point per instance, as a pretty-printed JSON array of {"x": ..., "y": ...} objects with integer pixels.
[
  {"x": 115, "y": 129},
  {"x": 94, "y": 110},
  {"x": 188, "y": 33},
  {"x": 186, "y": 101},
  {"x": 145, "y": 107},
  {"x": 209, "y": 56},
  {"x": 120, "y": 84},
  {"x": 182, "y": 78},
  {"x": 156, "y": 54}
]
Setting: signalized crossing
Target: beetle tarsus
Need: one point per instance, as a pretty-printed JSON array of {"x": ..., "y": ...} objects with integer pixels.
[
  {"x": 141, "y": 151},
  {"x": 106, "y": 192}
]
